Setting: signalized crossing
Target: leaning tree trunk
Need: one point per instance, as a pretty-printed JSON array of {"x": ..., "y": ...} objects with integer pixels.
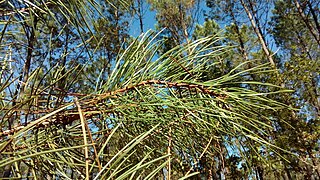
[{"x": 258, "y": 33}]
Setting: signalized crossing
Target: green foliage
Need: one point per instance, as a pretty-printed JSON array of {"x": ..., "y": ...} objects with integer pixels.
[
  {"x": 140, "y": 93},
  {"x": 82, "y": 99}
]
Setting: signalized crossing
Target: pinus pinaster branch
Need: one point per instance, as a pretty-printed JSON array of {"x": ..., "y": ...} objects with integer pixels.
[{"x": 71, "y": 115}]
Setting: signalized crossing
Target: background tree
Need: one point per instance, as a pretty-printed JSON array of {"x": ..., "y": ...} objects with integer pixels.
[{"x": 285, "y": 29}]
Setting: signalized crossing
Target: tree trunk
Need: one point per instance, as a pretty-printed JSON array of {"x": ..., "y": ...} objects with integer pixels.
[
  {"x": 306, "y": 21},
  {"x": 314, "y": 16},
  {"x": 258, "y": 33},
  {"x": 140, "y": 5}
]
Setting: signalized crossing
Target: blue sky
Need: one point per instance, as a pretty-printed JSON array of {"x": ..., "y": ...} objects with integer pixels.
[{"x": 149, "y": 19}]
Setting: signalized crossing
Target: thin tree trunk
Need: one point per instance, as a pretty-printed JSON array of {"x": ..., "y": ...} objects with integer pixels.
[
  {"x": 242, "y": 48},
  {"x": 27, "y": 64},
  {"x": 140, "y": 5},
  {"x": 305, "y": 20},
  {"x": 314, "y": 16},
  {"x": 30, "y": 33},
  {"x": 258, "y": 32}
]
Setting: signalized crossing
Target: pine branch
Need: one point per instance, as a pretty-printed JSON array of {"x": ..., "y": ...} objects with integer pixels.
[{"x": 69, "y": 116}]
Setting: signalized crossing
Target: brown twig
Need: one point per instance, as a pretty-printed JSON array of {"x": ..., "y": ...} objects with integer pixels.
[{"x": 184, "y": 68}]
